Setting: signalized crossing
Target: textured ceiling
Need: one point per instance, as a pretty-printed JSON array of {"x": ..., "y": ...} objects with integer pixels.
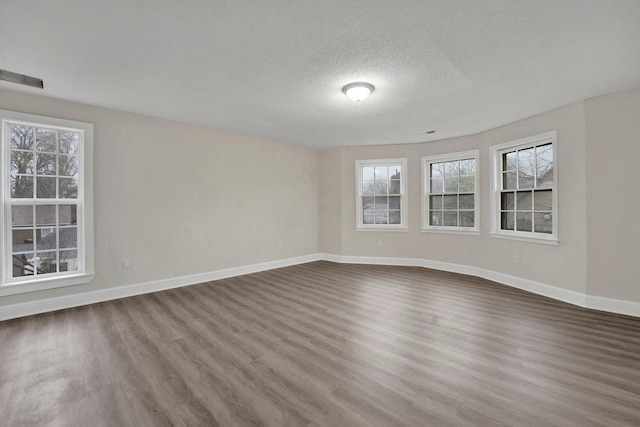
[{"x": 275, "y": 69}]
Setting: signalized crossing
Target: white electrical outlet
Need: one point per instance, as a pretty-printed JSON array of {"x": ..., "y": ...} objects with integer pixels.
[
  {"x": 379, "y": 243},
  {"x": 516, "y": 259},
  {"x": 126, "y": 263}
]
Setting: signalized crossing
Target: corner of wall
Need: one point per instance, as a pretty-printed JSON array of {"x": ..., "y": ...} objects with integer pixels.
[
  {"x": 330, "y": 201},
  {"x": 612, "y": 203}
]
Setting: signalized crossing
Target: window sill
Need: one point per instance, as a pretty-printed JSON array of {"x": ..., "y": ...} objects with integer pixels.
[
  {"x": 539, "y": 240},
  {"x": 469, "y": 232},
  {"x": 45, "y": 284},
  {"x": 393, "y": 229}
]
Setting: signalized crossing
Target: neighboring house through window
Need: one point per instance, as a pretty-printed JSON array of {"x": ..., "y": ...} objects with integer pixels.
[
  {"x": 47, "y": 238},
  {"x": 524, "y": 189},
  {"x": 381, "y": 194},
  {"x": 450, "y": 199}
]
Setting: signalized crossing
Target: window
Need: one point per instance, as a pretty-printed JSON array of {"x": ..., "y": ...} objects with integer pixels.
[
  {"x": 524, "y": 196},
  {"x": 381, "y": 187},
  {"x": 47, "y": 238},
  {"x": 450, "y": 200}
]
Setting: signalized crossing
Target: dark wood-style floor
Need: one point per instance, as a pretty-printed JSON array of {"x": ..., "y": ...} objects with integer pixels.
[{"x": 324, "y": 344}]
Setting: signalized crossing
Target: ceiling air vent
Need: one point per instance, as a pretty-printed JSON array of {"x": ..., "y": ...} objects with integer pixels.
[{"x": 21, "y": 79}]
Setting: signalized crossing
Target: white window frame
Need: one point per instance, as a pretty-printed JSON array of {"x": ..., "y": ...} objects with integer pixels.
[
  {"x": 85, "y": 272},
  {"x": 496, "y": 152},
  {"x": 427, "y": 161},
  {"x": 360, "y": 225}
]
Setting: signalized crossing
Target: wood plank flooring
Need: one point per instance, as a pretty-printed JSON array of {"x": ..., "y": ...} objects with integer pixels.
[{"x": 324, "y": 344}]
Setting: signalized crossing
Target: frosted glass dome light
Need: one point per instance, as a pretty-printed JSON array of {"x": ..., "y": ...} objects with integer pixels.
[{"x": 358, "y": 91}]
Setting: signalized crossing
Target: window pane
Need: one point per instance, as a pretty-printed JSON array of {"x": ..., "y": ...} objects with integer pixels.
[
  {"x": 526, "y": 158},
  {"x": 543, "y": 222},
  {"x": 22, "y": 162},
  {"x": 45, "y": 188},
  {"x": 437, "y": 185},
  {"x": 367, "y": 173},
  {"x": 368, "y": 218},
  {"x": 22, "y": 265},
  {"x": 46, "y": 238},
  {"x": 435, "y": 218},
  {"x": 526, "y": 168},
  {"x": 68, "y": 188},
  {"x": 22, "y": 187},
  {"x": 508, "y": 201},
  {"x": 368, "y": 205},
  {"x": 509, "y": 161},
  {"x": 525, "y": 178},
  {"x": 451, "y": 202},
  {"x": 67, "y": 214},
  {"x": 466, "y": 219},
  {"x": 367, "y": 188},
  {"x": 394, "y": 172},
  {"x": 435, "y": 202},
  {"x": 451, "y": 185},
  {"x": 466, "y": 201},
  {"x": 21, "y": 137},
  {"x": 46, "y": 262},
  {"x": 22, "y": 215},
  {"x": 46, "y": 140},
  {"x": 437, "y": 170},
  {"x": 544, "y": 155},
  {"x": 394, "y": 202},
  {"x": 467, "y": 167},
  {"x": 523, "y": 200},
  {"x": 467, "y": 184},
  {"x": 68, "y": 261},
  {"x": 381, "y": 203},
  {"x": 381, "y": 218},
  {"x": 382, "y": 187},
  {"x": 68, "y": 237},
  {"x": 68, "y": 166},
  {"x": 507, "y": 222},
  {"x": 394, "y": 217},
  {"x": 509, "y": 181},
  {"x": 68, "y": 142},
  {"x": 46, "y": 215},
  {"x": 451, "y": 169},
  {"x": 543, "y": 200},
  {"x": 22, "y": 240},
  {"x": 394, "y": 186},
  {"x": 381, "y": 173},
  {"x": 450, "y": 218},
  {"x": 544, "y": 176},
  {"x": 523, "y": 221},
  {"x": 46, "y": 164}
]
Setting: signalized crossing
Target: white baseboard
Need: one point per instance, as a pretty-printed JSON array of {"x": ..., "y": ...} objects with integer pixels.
[
  {"x": 76, "y": 300},
  {"x": 571, "y": 297},
  {"x": 629, "y": 308}
]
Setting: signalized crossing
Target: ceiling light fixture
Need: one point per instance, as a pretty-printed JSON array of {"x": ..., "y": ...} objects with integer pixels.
[
  {"x": 358, "y": 91},
  {"x": 21, "y": 79}
]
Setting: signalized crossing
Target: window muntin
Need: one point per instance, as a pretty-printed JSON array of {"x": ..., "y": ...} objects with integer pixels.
[
  {"x": 380, "y": 193},
  {"x": 450, "y": 196},
  {"x": 43, "y": 199},
  {"x": 526, "y": 202},
  {"x": 525, "y": 195},
  {"x": 46, "y": 215}
]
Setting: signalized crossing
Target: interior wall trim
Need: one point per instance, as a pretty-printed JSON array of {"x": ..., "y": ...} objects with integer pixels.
[
  {"x": 68, "y": 301},
  {"x": 617, "y": 306}
]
